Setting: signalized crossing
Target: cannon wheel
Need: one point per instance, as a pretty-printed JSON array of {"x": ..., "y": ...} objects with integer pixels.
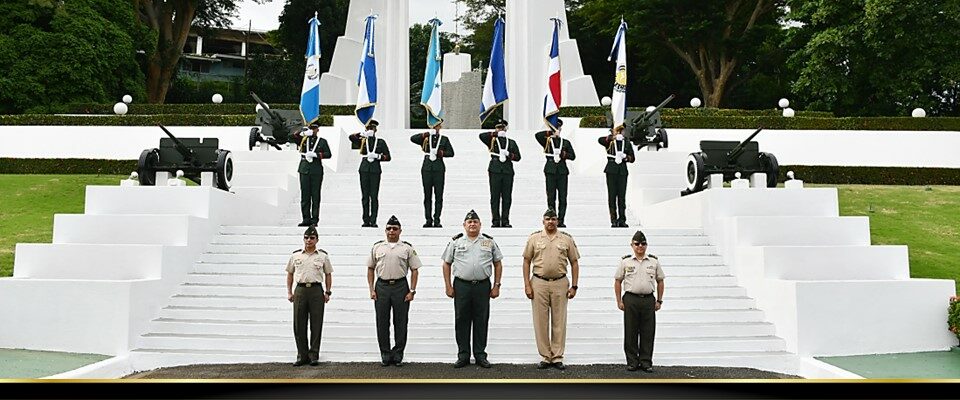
[
  {"x": 224, "y": 172},
  {"x": 771, "y": 168},
  {"x": 147, "y": 167},
  {"x": 696, "y": 173},
  {"x": 665, "y": 143},
  {"x": 254, "y": 138}
]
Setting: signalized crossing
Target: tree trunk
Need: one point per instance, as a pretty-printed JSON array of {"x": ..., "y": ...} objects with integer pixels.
[{"x": 172, "y": 21}]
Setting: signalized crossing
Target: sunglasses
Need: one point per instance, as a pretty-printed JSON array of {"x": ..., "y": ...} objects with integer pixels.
[
  {"x": 639, "y": 243},
  {"x": 309, "y": 238},
  {"x": 550, "y": 218},
  {"x": 393, "y": 228}
]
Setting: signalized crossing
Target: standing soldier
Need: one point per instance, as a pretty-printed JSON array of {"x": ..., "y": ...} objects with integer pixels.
[
  {"x": 549, "y": 251},
  {"x": 373, "y": 151},
  {"x": 619, "y": 153},
  {"x": 558, "y": 151},
  {"x": 473, "y": 259},
  {"x": 435, "y": 147},
  {"x": 389, "y": 262},
  {"x": 305, "y": 268},
  {"x": 638, "y": 275},
  {"x": 313, "y": 148},
  {"x": 503, "y": 152}
]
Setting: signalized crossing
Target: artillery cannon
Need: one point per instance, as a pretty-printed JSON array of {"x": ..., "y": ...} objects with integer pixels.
[
  {"x": 728, "y": 158},
  {"x": 190, "y": 155},
  {"x": 645, "y": 127},
  {"x": 276, "y": 126}
]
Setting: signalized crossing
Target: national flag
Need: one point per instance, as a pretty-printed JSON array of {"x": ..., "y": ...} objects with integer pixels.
[
  {"x": 495, "y": 88},
  {"x": 310, "y": 93},
  {"x": 618, "y": 107},
  {"x": 367, "y": 77},
  {"x": 551, "y": 100},
  {"x": 430, "y": 99}
]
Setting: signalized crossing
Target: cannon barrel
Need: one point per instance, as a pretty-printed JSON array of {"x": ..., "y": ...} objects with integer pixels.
[
  {"x": 647, "y": 114},
  {"x": 185, "y": 151},
  {"x": 273, "y": 116},
  {"x": 735, "y": 153}
]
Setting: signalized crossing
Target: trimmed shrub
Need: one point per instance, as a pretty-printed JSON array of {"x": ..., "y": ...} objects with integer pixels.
[
  {"x": 839, "y": 175},
  {"x": 66, "y": 166},
  {"x": 201, "y": 109},
  {"x": 798, "y": 123},
  {"x": 139, "y": 120}
]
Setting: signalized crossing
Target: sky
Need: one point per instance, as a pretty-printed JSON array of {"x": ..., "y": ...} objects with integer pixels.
[{"x": 263, "y": 17}]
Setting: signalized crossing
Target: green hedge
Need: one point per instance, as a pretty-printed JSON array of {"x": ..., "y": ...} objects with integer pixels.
[
  {"x": 838, "y": 175},
  {"x": 62, "y": 166},
  {"x": 579, "y": 112},
  {"x": 138, "y": 120},
  {"x": 799, "y": 123},
  {"x": 202, "y": 109}
]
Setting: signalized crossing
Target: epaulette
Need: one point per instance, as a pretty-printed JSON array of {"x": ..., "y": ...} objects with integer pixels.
[
  {"x": 626, "y": 256},
  {"x": 652, "y": 256},
  {"x": 537, "y": 232},
  {"x": 407, "y": 243},
  {"x": 565, "y": 233},
  {"x": 458, "y": 236},
  {"x": 487, "y": 236},
  {"x": 297, "y": 251},
  {"x": 381, "y": 241},
  {"x": 322, "y": 251}
]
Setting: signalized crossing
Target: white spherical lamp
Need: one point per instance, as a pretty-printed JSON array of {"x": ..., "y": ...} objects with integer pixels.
[
  {"x": 127, "y": 98},
  {"x": 651, "y": 108},
  {"x": 606, "y": 101},
  {"x": 783, "y": 103},
  {"x": 695, "y": 102},
  {"x": 120, "y": 108},
  {"x": 918, "y": 113},
  {"x": 217, "y": 98},
  {"x": 790, "y": 175},
  {"x": 788, "y": 112}
]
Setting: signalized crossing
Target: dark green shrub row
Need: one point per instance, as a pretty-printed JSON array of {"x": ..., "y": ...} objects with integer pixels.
[
  {"x": 203, "y": 109},
  {"x": 64, "y": 166},
  {"x": 576, "y": 112},
  {"x": 138, "y": 120},
  {"x": 800, "y": 123},
  {"x": 838, "y": 175}
]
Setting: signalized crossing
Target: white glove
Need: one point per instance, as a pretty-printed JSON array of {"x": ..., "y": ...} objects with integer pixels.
[
  {"x": 372, "y": 156},
  {"x": 619, "y": 136},
  {"x": 504, "y": 153},
  {"x": 366, "y": 133},
  {"x": 310, "y": 156},
  {"x": 619, "y": 158},
  {"x": 308, "y": 133},
  {"x": 433, "y": 157}
]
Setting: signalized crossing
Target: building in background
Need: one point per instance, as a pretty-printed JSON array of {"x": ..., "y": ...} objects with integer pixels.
[{"x": 220, "y": 54}]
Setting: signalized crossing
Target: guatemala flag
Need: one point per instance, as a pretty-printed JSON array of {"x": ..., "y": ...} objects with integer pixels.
[
  {"x": 430, "y": 98},
  {"x": 310, "y": 94},
  {"x": 618, "y": 107},
  {"x": 551, "y": 100},
  {"x": 367, "y": 78},
  {"x": 495, "y": 88}
]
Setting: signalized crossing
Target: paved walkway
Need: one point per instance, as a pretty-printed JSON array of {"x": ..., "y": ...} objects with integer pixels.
[
  {"x": 22, "y": 364},
  {"x": 928, "y": 365}
]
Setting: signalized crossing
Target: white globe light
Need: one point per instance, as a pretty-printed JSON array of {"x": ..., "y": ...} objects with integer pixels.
[
  {"x": 260, "y": 108},
  {"x": 788, "y": 112},
  {"x": 127, "y": 98},
  {"x": 695, "y": 102},
  {"x": 784, "y": 103},
  {"x": 790, "y": 175},
  {"x": 217, "y": 98},
  {"x": 737, "y": 175},
  {"x": 606, "y": 101},
  {"x": 120, "y": 108},
  {"x": 918, "y": 113},
  {"x": 651, "y": 108},
  {"x": 179, "y": 173}
]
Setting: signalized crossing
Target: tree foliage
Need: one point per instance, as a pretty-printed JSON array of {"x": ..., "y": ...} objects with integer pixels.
[{"x": 293, "y": 30}]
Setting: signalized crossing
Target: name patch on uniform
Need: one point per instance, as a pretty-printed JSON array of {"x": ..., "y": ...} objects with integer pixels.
[{"x": 486, "y": 244}]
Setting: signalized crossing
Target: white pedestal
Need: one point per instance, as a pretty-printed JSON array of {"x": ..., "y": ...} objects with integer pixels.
[
  {"x": 793, "y": 184},
  {"x": 162, "y": 177},
  {"x": 455, "y": 65},
  {"x": 206, "y": 179},
  {"x": 758, "y": 180},
  {"x": 715, "y": 181},
  {"x": 740, "y": 184},
  {"x": 129, "y": 182}
]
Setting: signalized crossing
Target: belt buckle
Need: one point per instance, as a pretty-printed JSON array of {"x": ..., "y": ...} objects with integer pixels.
[
  {"x": 391, "y": 281},
  {"x": 309, "y": 285}
]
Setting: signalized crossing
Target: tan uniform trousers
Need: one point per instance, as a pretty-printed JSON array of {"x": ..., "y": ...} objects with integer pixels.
[{"x": 550, "y": 317}]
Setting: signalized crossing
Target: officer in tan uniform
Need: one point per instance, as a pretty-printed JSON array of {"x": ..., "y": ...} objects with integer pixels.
[
  {"x": 305, "y": 268},
  {"x": 638, "y": 275},
  {"x": 387, "y": 268},
  {"x": 549, "y": 251}
]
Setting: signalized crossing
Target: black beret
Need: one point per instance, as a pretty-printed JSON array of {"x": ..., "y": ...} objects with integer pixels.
[
  {"x": 471, "y": 215},
  {"x": 393, "y": 221}
]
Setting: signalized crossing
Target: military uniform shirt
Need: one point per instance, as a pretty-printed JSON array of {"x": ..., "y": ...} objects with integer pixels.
[
  {"x": 472, "y": 260},
  {"x": 309, "y": 268},
  {"x": 549, "y": 256},
  {"x": 392, "y": 262},
  {"x": 639, "y": 276}
]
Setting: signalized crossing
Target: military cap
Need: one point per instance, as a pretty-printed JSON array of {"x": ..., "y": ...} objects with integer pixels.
[
  {"x": 393, "y": 221},
  {"x": 550, "y": 213},
  {"x": 311, "y": 231},
  {"x": 471, "y": 215},
  {"x": 639, "y": 237},
  {"x": 559, "y": 122},
  {"x": 373, "y": 122},
  {"x": 314, "y": 125},
  {"x": 502, "y": 122}
]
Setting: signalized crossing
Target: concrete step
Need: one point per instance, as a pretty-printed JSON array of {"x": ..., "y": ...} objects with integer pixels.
[
  {"x": 607, "y": 271},
  {"x": 368, "y": 236},
  {"x": 507, "y": 246},
  {"x": 509, "y": 259},
  {"x": 433, "y": 278},
  {"x": 415, "y": 230}
]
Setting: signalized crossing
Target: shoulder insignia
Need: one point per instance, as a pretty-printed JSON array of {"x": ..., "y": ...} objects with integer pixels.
[
  {"x": 297, "y": 251},
  {"x": 626, "y": 256},
  {"x": 536, "y": 233},
  {"x": 652, "y": 256},
  {"x": 565, "y": 233},
  {"x": 379, "y": 241},
  {"x": 322, "y": 251},
  {"x": 487, "y": 236},
  {"x": 458, "y": 236},
  {"x": 406, "y": 243}
]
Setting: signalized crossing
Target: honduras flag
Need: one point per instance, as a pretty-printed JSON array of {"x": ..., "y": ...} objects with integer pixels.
[
  {"x": 495, "y": 88},
  {"x": 367, "y": 78},
  {"x": 551, "y": 100},
  {"x": 430, "y": 98},
  {"x": 310, "y": 94},
  {"x": 618, "y": 107}
]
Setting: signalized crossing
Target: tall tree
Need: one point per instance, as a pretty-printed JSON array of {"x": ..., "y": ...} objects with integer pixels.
[{"x": 292, "y": 33}]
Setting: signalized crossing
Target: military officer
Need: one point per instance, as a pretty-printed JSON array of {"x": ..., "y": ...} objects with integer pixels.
[
  {"x": 387, "y": 267},
  {"x": 503, "y": 152},
  {"x": 472, "y": 258},
  {"x": 313, "y": 148},
  {"x": 373, "y": 151},
  {"x": 619, "y": 153},
  {"x": 639, "y": 274},
  {"x": 558, "y": 151},
  {"x": 305, "y": 269},
  {"x": 548, "y": 251},
  {"x": 435, "y": 148}
]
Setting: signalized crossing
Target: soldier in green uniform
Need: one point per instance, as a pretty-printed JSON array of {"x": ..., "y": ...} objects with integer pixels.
[
  {"x": 313, "y": 148},
  {"x": 638, "y": 275},
  {"x": 387, "y": 267},
  {"x": 619, "y": 153},
  {"x": 306, "y": 268},
  {"x": 373, "y": 151},
  {"x": 558, "y": 151},
  {"x": 503, "y": 152},
  {"x": 472, "y": 259},
  {"x": 435, "y": 148}
]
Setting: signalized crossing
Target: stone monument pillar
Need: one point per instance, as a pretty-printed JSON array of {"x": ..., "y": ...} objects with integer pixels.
[{"x": 461, "y": 101}]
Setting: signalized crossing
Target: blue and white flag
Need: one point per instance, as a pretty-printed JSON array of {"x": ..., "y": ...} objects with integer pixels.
[
  {"x": 495, "y": 88},
  {"x": 430, "y": 99},
  {"x": 618, "y": 107},
  {"x": 551, "y": 100},
  {"x": 367, "y": 78},
  {"x": 310, "y": 94}
]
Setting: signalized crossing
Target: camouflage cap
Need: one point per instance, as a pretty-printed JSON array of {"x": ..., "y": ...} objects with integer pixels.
[{"x": 471, "y": 215}]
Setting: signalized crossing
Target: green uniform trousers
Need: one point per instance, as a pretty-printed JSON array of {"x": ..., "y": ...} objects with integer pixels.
[
  {"x": 639, "y": 328},
  {"x": 616, "y": 197},
  {"x": 370, "y": 195},
  {"x": 390, "y": 298},
  {"x": 557, "y": 191},
  {"x": 471, "y": 305},
  {"x": 501, "y": 197},
  {"x": 308, "y": 307},
  {"x": 310, "y": 197},
  {"x": 432, "y": 189}
]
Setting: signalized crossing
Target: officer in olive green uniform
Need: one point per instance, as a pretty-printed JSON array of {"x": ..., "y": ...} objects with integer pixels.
[
  {"x": 435, "y": 148},
  {"x": 305, "y": 269},
  {"x": 387, "y": 268},
  {"x": 619, "y": 153},
  {"x": 373, "y": 151},
  {"x": 639, "y": 274},
  {"x": 313, "y": 148},
  {"x": 548, "y": 252},
  {"x": 503, "y": 152},
  {"x": 472, "y": 259},
  {"x": 558, "y": 151}
]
